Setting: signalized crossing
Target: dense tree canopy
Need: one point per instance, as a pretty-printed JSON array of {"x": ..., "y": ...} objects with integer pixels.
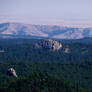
[
  {"x": 20, "y": 54},
  {"x": 39, "y": 82}
]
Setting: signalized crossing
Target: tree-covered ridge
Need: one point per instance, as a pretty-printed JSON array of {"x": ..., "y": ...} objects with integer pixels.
[
  {"x": 23, "y": 49},
  {"x": 40, "y": 82}
]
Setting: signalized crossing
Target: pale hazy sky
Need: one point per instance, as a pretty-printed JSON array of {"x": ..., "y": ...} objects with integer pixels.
[{"x": 59, "y": 12}]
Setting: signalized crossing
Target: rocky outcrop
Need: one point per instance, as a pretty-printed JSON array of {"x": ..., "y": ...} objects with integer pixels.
[
  {"x": 2, "y": 51},
  {"x": 49, "y": 44},
  {"x": 67, "y": 50},
  {"x": 11, "y": 72}
]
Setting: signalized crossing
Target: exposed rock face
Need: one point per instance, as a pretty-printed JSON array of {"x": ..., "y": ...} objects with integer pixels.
[
  {"x": 49, "y": 44},
  {"x": 11, "y": 72},
  {"x": 67, "y": 50}
]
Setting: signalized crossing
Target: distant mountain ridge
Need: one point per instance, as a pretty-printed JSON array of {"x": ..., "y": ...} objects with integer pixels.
[{"x": 47, "y": 31}]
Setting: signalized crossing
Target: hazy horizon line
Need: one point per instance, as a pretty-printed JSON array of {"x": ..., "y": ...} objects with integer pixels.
[{"x": 60, "y": 23}]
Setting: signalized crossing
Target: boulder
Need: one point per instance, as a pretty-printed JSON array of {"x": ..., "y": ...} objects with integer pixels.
[
  {"x": 12, "y": 72},
  {"x": 67, "y": 50}
]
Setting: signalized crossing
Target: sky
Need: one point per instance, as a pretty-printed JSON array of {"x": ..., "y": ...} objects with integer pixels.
[{"x": 50, "y": 12}]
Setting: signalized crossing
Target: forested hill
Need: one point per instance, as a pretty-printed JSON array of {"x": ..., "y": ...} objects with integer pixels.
[
  {"x": 24, "y": 49},
  {"x": 72, "y": 62}
]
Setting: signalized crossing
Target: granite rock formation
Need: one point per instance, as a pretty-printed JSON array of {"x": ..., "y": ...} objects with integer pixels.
[{"x": 49, "y": 44}]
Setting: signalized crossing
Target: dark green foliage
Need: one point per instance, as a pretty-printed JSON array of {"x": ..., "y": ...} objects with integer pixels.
[
  {"x": 23, "y": 49},
  {"x": 39, "y": 82},
  {"x": 78, "y": 73},
  {"x": 25, "y": 59}
]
